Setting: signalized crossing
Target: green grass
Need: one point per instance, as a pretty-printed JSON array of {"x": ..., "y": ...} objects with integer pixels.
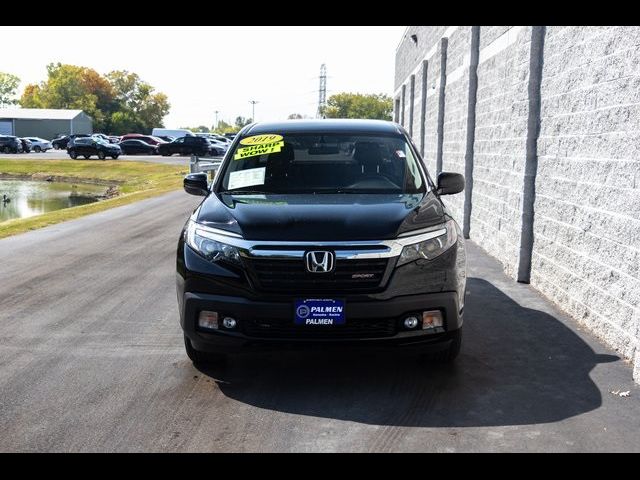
[{"x": 136, "y": 181}]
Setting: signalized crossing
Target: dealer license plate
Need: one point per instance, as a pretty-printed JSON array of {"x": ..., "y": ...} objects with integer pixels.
[{"x": 319, "y": 311}]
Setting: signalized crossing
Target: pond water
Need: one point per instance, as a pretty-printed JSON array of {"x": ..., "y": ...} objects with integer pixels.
[{"x": 29, "y": 197}]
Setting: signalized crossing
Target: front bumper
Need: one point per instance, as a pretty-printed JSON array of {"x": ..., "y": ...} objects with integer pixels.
[{"x": 361, "y": 310}]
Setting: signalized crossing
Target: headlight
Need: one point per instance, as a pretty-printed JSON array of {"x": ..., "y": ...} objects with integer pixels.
[
  {"x": 432, "y": 248},
  {"x": 213, "y": 250}
]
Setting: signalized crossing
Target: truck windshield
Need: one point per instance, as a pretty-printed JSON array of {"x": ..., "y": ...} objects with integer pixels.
[{"x": 322, "y": 163}]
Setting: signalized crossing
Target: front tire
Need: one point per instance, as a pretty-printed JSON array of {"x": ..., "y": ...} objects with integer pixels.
[
  {"x": 115, "y": 157},
  {"x": 203, "y": 358},
  {"x": 449, "y": 354},
  {"x": 37, "y": 149},
  {"x": 101, "y": 155},
  {"x": 73, "y": 154}
]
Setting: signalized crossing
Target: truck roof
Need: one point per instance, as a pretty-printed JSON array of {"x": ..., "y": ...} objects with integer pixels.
[{"x": 333, "y": 125}]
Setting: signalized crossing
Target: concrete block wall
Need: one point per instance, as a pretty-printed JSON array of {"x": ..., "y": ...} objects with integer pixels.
[
  {"x": 500, "y": 142},
  {"x": 586, "y": 253},
  {"x": 455, "y": 109},
  {"x": 572, "y": 136}
]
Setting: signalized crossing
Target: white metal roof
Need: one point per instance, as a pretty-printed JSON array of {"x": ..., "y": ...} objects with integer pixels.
[{"x": 39, "y": 113}]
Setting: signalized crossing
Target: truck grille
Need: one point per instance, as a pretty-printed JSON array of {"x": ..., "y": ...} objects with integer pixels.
[
  {"x": 292, "y": 275},
  {"x": 352, "y": 329}
]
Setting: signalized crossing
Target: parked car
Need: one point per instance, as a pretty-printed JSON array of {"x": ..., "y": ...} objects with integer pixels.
[
  {"x": 62, "y": 142},
  {"x": 325, "y": 231},
  {"x": 87, "y": 146},
  {"x": 133, "y": 146},
  {"x": 223, "y": 139},
  {"x": 150, "y": 139},
  {"x": 10, "y": 144},
  {"x": 102, "y": 136},
  {"x": 26, "y": 145},
  {"x": 114, "y": 139},
  {"x": 166, "y": 138},
  {"x": 217, "y": 140},
  {"x": 188, "y": 146},
  {"x": 39, "y": 144},
  {"x": 176, "y": 133}
]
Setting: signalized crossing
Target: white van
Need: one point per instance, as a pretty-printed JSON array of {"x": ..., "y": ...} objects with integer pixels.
[{"x": 168, "y": 132}]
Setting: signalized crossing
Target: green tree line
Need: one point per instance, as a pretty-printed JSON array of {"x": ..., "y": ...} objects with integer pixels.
[
  {"x": 358, "y": 105},
  {"x": 119, "y": 102}
]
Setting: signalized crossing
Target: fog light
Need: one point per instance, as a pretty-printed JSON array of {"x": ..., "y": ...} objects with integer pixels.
[
  {"x": 229, "y": 322},
  {"x": 431, "y": 319},
  {"x": 208, "y": 319},
  {"x": 411, "y": 322}
]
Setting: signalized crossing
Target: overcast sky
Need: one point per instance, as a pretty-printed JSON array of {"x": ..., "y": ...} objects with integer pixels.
[{"x": 203, "y": 69}]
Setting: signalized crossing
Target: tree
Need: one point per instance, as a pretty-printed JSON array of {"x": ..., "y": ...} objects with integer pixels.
[
  {"x": 200, "y": 129},
  {"x": 224, "y": 127},
  {"x": 8, "y": 87},
  {"x": 73, "y": 87},
  {"x": 139, "y": 100},
  {"x": 357, "y": 105},
  {"x": 119, "y": 102},
  {"x": 241, "y": 122},
  {"x": 294, "y": 116}
]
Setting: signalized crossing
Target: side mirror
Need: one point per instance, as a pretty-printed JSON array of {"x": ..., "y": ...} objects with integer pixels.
[
  {"x": 450, "y": 183},
  {"x": 196, "y": 184}
]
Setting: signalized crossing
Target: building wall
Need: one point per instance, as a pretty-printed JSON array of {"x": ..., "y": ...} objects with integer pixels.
[
  {"x": 581, "y": 148},
  {"x": 49, "y": 129},
  {"x": 586, "y": 252},
  {"x": 500, "y": 143},
  {"x": 82, "y": 124}
]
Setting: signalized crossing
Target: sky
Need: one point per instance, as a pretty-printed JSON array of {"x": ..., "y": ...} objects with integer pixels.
[{"x": 204, "y": 69}]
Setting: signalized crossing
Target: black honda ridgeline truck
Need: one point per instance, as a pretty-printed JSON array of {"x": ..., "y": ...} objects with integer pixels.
[{"x": 325, "y": 231}]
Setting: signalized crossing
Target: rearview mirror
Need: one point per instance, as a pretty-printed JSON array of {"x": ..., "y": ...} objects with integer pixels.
[
  {"x": 450, "y": 183},
  {"x": 196, "y": 184}
]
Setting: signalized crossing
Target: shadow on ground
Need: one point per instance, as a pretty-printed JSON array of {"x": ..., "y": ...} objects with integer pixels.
[{"x": 518, "y": 366}]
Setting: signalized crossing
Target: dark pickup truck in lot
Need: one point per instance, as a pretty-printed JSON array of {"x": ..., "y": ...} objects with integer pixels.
[{"x": 322, "y": 231}]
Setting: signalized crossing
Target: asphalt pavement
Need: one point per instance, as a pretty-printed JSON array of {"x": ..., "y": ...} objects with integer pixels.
[{"x": 91, "y": 359}]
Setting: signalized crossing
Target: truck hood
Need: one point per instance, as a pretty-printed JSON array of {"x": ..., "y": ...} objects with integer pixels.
[{"x": 324, "y": 217}]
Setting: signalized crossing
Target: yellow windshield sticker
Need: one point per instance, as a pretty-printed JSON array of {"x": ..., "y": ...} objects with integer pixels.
[
  {"x": 255, "y": 150},
  {"x": 261, "y": 139}
]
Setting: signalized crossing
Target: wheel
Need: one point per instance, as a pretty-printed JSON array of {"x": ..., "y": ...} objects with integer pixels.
[
  {"x": 115, "y": 157},
  {"x": 87, "y": 157},
  {"x": 449, "y": 354},
  {"x": 73, "y": 154},
  {"x": 203, "y": 358},
  {"x": 101, "y": 155},
  {"x": 37, "y": 149}
]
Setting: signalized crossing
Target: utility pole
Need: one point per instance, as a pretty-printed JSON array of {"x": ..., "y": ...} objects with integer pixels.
[
  {"x": 253, "y": 109},
  {"x": 322, "y": 91}
]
